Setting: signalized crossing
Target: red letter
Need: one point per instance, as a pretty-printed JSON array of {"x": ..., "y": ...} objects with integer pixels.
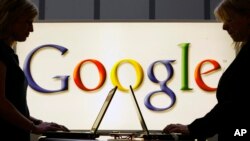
[
  {"x": 77, "y": 78},
  {"x": 197, "y": 74}
]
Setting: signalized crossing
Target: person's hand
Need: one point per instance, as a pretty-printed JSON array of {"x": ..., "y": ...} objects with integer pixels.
[
  {"x": 48, "y": 126},
  {"x": 176, "y": 128}
]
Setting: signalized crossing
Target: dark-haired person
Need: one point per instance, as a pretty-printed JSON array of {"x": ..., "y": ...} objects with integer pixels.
[
  {"x": 16, "y": 124},
  {"x": 229, "y": 118}
]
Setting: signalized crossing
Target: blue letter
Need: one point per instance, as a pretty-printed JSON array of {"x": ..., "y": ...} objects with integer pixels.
[
  {"x": 163, "y": 85},
  {"x": 32, "y": 83}
]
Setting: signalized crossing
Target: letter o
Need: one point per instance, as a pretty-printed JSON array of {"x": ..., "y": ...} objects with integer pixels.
[
  {"x": 138, "y": 70},
  {"x": 77, "y": 77}
]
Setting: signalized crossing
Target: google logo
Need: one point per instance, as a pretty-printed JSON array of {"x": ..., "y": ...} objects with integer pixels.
[{"x": 139, "y": 75}]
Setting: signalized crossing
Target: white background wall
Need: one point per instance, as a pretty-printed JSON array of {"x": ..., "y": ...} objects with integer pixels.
[{"x": 126, "y": 10}]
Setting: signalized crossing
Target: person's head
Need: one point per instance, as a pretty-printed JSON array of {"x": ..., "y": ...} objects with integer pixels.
[
  {"x": 235, "y": 15},
  {"x": 16, "y": 20}
]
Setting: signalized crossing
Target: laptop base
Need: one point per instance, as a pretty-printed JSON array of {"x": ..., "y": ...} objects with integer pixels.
[
  {"x": 157, "y": 137},
  {"x": 167, "y": 137},
  {"x": 71, "y": 135}
]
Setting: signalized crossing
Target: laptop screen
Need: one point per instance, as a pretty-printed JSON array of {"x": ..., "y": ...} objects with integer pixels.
[
  {"x": 139, "y": 113},
  {"x": 103, "y": 110}
]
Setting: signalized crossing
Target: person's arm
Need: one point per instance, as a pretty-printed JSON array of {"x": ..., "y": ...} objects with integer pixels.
[
  {"x": 35, "y": 120},
  {"x": 205, "y": 126},
  {"x": 12, "y": 115},
  {"x": 200, "y": 128},
  {"x": 7, "y": 110}
]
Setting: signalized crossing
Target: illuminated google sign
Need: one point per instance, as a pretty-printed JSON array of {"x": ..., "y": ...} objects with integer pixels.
[{"x": 139, "y": 75}]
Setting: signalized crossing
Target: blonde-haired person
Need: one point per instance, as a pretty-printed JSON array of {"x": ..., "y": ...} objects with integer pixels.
[
  {"x": 16, "y": 124},
  {"x": 229, "y": 118}
]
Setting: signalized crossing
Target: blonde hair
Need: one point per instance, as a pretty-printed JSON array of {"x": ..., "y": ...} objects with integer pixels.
[
  {"x": 239, "y": 7},
  {"x": 10, "y": 11}
]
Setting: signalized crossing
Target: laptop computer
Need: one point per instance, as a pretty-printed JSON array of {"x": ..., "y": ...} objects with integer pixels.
[
  {"x": 152, "y": 134},
  {"x": 91, "y": 134}
]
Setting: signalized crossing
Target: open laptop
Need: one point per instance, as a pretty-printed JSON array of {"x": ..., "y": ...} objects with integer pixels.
[
  {"x": 92, "y": 134},
  {"x": 152, "y": 134}
]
